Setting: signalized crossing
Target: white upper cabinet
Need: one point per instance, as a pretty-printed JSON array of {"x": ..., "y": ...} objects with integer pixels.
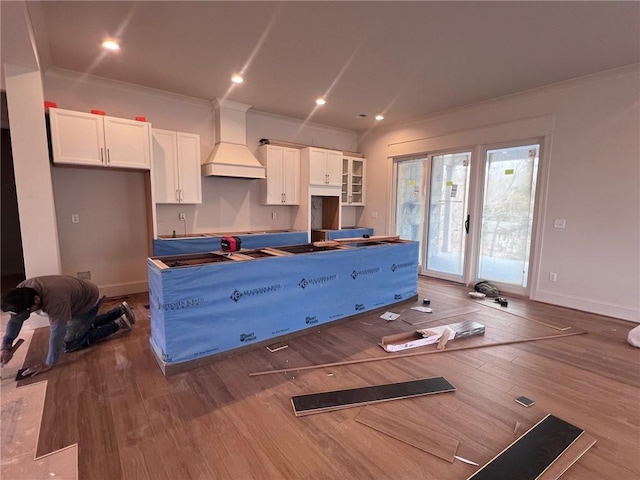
[
  {"x": 176, "y": 167},
  {"x": 353, "y": 176},
  {"x": 79, "y": 138},
  {"x": 282, "y": 185},
  {"x": 325, "y": 167}
]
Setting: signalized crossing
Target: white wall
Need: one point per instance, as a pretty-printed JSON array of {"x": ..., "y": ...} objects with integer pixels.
[
  {"x": 592, "y": 161},
  {"x": 110, "y": 239}
]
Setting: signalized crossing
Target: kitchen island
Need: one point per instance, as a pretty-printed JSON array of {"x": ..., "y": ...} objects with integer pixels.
[{"x": 203, "y": 305}]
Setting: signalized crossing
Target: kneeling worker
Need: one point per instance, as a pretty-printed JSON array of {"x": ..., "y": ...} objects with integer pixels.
[{"x": 72, "y": 307}]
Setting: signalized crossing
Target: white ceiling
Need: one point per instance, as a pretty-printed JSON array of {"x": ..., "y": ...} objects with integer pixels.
[{"x": 402, "y": 59}]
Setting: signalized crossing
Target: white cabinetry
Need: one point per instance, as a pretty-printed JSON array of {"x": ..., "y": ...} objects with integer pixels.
[
  {"x": 79, "y": 138},
  {"x": 282, "y": 184},
  {"x": 176, "y": 167},
  {"x": 325, "y": 167},
  {"x": 353, "y": 175}
]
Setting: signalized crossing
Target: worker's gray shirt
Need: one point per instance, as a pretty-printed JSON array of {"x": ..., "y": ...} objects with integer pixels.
[{"x": 62, "y": 298}]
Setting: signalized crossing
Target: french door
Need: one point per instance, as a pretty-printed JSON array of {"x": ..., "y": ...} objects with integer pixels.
[
  {"x": 447, "y": 219},
  {"x": 472, "y": 221}
]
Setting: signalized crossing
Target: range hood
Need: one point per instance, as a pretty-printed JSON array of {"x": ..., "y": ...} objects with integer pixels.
[{"x": 230, "y": 156}]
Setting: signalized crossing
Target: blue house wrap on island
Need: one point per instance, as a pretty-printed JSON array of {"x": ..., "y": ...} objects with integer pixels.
[{"x": 206, "y": 309}]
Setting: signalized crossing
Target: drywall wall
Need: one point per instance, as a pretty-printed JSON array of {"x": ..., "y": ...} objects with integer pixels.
[
  {"x": 592, "y": 163},
  {"x": 110, "y": 241},
  {"x": 228, "y": 204}
]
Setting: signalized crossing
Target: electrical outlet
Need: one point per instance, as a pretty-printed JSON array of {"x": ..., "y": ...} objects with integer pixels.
[
  {"x": 553, "y": 277},
  {"x": 75, "y": 218},
  {"x": 274, "y": 215},
  {"x": 374, "y": 214},
  {"x": 182, "y": 216},
  {"x": 84, "y": 275},
  {"x": 559, "y": 223}
]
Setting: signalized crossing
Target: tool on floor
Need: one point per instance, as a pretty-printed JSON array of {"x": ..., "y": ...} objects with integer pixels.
[{"x": 502, "y": 301}]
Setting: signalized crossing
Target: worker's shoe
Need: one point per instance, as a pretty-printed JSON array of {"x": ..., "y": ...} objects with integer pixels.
[
  {"x": 128, "y": 313},
  {"x": 123, "y": 323}
]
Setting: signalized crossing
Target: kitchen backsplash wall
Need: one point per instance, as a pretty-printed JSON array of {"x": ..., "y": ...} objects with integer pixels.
[{"x": 228, "y": 204}]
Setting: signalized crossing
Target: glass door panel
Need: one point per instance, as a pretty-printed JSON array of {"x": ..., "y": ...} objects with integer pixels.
[
  {"x": 507, "y": 214},
  {"x": 410, "y": 199},
  {"x": 447, "y": 220}
]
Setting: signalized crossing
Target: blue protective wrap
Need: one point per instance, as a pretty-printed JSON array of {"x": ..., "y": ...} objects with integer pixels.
[
  {"x": 349, "y": 233},
  {"x": 179, "y": 246},
  {"x": 201, "y": 310}
]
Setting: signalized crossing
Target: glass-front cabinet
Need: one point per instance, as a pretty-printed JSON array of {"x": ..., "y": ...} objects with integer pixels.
[{"x": 353, "y": 177}]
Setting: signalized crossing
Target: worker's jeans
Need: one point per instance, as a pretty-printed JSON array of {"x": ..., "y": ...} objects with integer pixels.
[{"x": 89, "y": 327}]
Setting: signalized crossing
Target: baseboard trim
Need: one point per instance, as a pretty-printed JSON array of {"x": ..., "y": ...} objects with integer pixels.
[
  {"x": 127, "y": 288},
  {"x": 590, "y": 305}
]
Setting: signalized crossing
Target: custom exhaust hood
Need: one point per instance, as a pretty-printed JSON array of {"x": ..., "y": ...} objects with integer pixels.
[{"x": 230, "y": 156}]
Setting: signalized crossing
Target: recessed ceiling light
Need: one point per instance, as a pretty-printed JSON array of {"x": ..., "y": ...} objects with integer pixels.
[
  {"x": 111, "y": 45},
  {"x": 237, "y": 78},
  {"x": 379, "y": 117},
  {"x": 320, "y": 101}
]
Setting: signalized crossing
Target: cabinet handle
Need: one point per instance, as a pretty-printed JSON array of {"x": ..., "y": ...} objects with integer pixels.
[
  {"x": 177, "y": 195},
  {"x": 181, "y": 195},
  {"x": 101, "y": 155},
  {"x": 108, "y": 157}
]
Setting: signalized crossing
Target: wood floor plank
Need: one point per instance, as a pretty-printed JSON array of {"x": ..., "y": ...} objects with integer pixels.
[
  {"x": 334, "y": 400},
  {"x": 570, "y": 456},
  {"x": 531, "y": 454},
  {"x": 414, "y": 432},
  {"x": 435, "y": 316}
]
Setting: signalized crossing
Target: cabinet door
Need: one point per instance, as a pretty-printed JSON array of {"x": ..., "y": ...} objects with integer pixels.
[
  {"x": 76, "y": 138},
  {"x": 334, "y": 168},
  {"x": 165, "y": 166},
  {"x": 356, "y": 181},
  {"x": 273, "y": 158},
  {"x": 189, "y": 176},
  {"x": 318, "y": 167},
  {"x": 127, "y": 143},
  {"x": 345, "y": 192},
  {"x": 291, "y": 176}
]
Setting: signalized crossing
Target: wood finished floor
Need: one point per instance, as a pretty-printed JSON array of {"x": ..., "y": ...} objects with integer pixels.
[{"x": 130, "y": 422}]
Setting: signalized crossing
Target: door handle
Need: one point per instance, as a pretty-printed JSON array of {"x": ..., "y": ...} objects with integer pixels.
[{"x": 466, "y": 224}]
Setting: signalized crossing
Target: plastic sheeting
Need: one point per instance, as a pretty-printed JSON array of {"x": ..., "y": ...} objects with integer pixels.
[
  {"x": 179, "y": 246},
  {"x": 202, "y": 310}
]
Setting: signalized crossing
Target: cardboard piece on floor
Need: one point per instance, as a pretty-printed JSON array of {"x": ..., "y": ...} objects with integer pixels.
[
  {"x": 389, "y": 316},
  {"x": 276, "y": 347},
  {"x": 570, "y": 456},
  {"x": 454, "y": 312},
  {"x": 428, "y": 336},
  {"x": 338, "y": 399},
  {"x": 422, "y": 309},
  {"x": 531, "y": 454},
  {"x": 415, "y": 432}
]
